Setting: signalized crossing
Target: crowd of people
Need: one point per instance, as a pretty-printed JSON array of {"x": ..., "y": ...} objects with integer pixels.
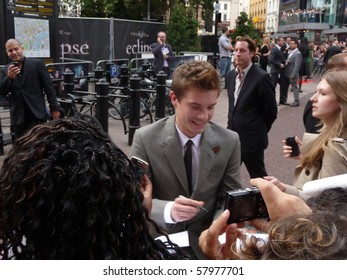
[
  {"x": 68, "y": 192},
  {"x": 314, "y": 15}
]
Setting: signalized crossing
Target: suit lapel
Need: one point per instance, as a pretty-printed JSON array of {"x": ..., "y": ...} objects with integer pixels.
[
  {"x": 26, "y": 70},
  {"x": 173, "y": 152},
  {"x": 208, "y": 150},
  {"x": 232, "y": 89}
]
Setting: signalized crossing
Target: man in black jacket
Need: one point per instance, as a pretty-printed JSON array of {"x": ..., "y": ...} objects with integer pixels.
[
  {"x": 27, "y": 82},
  {"x": 252, "y": 106},
  {"x": 162, "y": 52},
  {"x": 277, "y": 61}
]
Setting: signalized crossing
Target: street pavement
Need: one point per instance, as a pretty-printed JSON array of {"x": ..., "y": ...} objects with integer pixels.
[{"x": 288, "y": 123}]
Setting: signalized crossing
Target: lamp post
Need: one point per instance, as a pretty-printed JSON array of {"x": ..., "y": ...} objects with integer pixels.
[
  {"x": 149, "y": 10},
  {"x": 215, "y": 58}
]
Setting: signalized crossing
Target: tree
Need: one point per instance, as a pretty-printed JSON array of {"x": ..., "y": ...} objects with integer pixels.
[
  {"x": 94, "y": 8},
  {"x": 182, "y": 30},
  {"x": 245, "y": 26}
]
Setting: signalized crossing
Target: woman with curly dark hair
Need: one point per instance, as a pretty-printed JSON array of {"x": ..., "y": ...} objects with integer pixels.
[{"x": 67, "y": 192}]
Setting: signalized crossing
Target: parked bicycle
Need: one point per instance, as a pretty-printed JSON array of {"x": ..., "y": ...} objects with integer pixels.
[{"x": 70, "y": 109}]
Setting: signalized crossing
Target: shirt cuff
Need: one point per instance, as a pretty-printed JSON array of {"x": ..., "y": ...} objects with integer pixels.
[{"x": 167, "y": 213}]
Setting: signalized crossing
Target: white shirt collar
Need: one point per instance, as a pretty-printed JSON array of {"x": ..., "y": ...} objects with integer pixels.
[{"x": 183, "y": 138}]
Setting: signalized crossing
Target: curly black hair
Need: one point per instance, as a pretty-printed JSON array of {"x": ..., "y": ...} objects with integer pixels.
[{"x": 68, "y": 192}]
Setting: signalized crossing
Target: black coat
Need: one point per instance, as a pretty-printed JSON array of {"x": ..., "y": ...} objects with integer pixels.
[
  {"x": 30, "y": 87},
  {"x": 158, "y": 56},
  {"x": 277, "y": 58},
  {"x": 255, "y": 109}
]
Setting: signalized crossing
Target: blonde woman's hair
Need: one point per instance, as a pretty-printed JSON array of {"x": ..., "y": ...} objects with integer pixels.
[{"x": 338, "y": 82}]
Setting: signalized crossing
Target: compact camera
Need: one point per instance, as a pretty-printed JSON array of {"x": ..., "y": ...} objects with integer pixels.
[
  {"x": 245, "y": 204},
  {"x": 15, "y": 63}
]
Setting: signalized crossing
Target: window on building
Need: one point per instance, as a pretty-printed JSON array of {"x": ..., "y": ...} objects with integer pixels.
[
  {"x": 225, "y": 6},
  {"x": 224, "y": 17}
]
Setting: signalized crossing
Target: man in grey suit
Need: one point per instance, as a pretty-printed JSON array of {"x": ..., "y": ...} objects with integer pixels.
[
  {"x": 215, "y": 155},
  {"x": 291, "y": 71},
  {"x": 27, "y": 81}
]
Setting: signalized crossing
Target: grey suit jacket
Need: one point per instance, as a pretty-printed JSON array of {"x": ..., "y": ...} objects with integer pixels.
[
  {"x": 293, "y": 65},
  {"x": 160, "y": 146},
  {"x": 29, "y": 87}
]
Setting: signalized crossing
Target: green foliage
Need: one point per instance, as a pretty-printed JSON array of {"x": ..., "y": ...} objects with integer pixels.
[
  {"x": 182, "y": 30},
  {"x": 94, "y": 8},
  {"x": 124, "y": 9},
  {"x": 245, "y": 26}
]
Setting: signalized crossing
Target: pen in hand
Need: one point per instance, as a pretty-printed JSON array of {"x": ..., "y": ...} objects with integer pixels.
[{"x": 199, "y": 207}]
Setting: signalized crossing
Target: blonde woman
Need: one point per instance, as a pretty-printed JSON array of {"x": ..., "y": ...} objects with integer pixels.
[
  {"x": 325, "y": 154},
  {"x": 264, "y": 53}
]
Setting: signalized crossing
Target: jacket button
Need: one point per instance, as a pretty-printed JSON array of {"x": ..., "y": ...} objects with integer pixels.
[{"x": 307, "y": 172}]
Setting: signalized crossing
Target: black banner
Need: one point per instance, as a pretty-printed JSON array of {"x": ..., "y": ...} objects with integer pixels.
[{"x": 90, "y": 39}]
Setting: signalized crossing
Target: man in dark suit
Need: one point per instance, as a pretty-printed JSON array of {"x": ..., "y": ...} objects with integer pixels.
[
  {"x": 252, "y": 106},
  {"x": 215, "y": 155},
  {"x": 277, "y": 61},
  {"x": 26, "y": 80},
  {"x": 162, "y": 52}
]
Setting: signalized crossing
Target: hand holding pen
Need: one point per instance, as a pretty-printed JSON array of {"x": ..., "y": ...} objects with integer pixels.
[{"x": 185, "y": 208}]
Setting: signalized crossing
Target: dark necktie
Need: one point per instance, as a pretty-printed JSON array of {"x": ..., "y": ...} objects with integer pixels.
[{"x": 188, "y": 163}]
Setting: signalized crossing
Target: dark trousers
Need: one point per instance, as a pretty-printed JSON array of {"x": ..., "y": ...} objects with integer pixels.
[
  {"x": 279, "y": 78},
  {"x": 167, "y": 71},
  {"x": 29, "y": 122},
  {"x": 254, "y": 163}
]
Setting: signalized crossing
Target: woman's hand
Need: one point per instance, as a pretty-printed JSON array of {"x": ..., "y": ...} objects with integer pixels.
[
  {"x": 278, "y": 203},
  {"x": 287, "y": 150}
]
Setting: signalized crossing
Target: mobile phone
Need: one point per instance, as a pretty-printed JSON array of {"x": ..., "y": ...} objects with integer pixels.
[
  {"x": 15, "y": 63},
  {"x": 290, "y": 141},
  {"x": 141, "y": 167},
  {"x": 245, "y": 204}
]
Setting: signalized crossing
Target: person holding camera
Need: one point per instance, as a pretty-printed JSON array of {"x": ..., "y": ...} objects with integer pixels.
[
  {"x": 27, "y": 82},
  {"x": 192, "y": 161},
  {"x": 162, "y": 52},
  {"x": 322, "y": 155},
  {"x": 290, "y": 219}
]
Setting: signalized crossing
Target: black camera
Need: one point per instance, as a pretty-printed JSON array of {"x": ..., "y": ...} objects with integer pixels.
[
  {"x": 245, "y": 204},
  {"x": 15, "y": 63}
]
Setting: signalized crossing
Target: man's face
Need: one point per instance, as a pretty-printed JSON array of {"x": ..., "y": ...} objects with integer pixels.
[
  {"x": 280, "y": 42},
  {"x": 14, "y": 50},
  {"x": 194, "y": 110},
  {"x": 162, "y": 37},
  {"x": 242, "y": 55},
  {"x": 293, "y": 45}
]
